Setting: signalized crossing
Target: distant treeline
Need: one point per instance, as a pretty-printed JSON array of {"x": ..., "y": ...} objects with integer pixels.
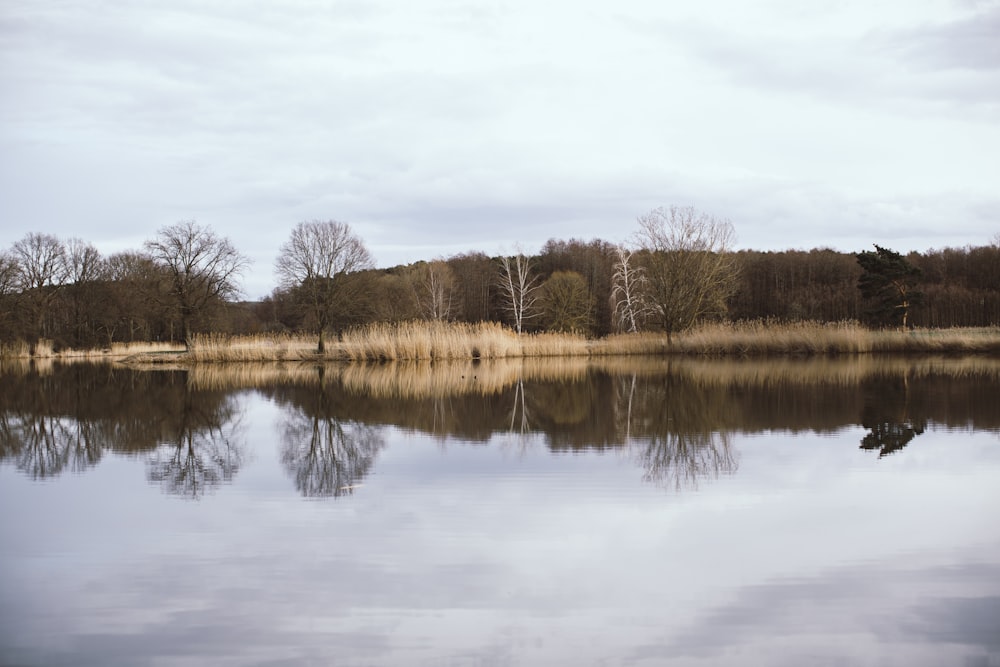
[{"x": 67, "y": 292}]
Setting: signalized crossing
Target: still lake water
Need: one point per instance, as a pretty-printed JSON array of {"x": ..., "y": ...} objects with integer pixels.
[{"x": 625, "y": 512}]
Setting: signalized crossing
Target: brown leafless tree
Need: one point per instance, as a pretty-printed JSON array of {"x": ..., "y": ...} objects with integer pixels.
[
  {"x": 689, "y": 264},
  {"x": 315, "y": 263},
  {"x": 203, "y": 268},
  {"x": 41, "y": 274}
]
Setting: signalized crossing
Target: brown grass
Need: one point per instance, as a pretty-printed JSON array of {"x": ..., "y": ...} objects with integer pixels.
[{"x": 439, "y": 341}]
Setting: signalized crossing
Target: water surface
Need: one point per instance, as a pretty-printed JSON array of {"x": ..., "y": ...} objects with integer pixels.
[{"x": 537, "y": 513}]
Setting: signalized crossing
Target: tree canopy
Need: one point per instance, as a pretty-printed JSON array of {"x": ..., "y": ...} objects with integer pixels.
[{"x": 888, "y": 283}]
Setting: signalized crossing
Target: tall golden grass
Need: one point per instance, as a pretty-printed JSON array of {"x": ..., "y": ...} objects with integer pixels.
[
  {"x": 45, "y": 349},
  {"x": 439, "y": 341}
]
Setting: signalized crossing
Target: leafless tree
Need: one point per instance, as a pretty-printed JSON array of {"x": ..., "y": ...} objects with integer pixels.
[
  {"x": 689, "y": 264},
  {"x": 8, "y": 278},
  {"x": 84, "y": 268},
  {"x": 83, "y": 261},
  {"x": 133, "y": 282},
  {"x": 627, "y": 291},
  {"x": 203, "y": 268},
  {"x": 8, "y": 274},
  {"x": 315, "y": 262},
  {"x": 519, "y": 287},
  {"x": 435, "y": 289},
  {"x": 41, "y": 273}
]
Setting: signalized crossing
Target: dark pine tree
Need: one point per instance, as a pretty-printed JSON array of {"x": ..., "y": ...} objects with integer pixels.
[{"x": 888, "y": 284}]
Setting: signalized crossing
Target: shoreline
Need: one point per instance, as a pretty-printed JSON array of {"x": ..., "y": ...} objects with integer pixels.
[{"x": 431, "y": 341}]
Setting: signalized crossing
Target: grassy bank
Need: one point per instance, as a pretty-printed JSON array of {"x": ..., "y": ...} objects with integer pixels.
[{"x": 443, "y": 341}]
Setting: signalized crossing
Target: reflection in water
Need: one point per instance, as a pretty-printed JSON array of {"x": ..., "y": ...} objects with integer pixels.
[
  {"x": 326, "y": 453},
  {"x": 43, "y": 446},
  {"x": 888, "y": 414},
  {"x": 677, "y": 442},
  {"x": 673, "y": 417},
  {"x": 204, "y": 449},
  {"x": 63, "y": 418}
]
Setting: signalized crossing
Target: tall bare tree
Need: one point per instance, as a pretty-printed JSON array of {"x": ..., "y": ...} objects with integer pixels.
[
  {"x": 129, "y": 308},
  {"x": 519, "y": 286},
  {"x": 41, "y": 273},
  {"x": 689, "y": 264},
  {"x": 627, "y": 291},
  {"x": 436, "y": 290},
  {"x": 203, "y": 268},
  {"x": 84, "y": 268},
  {"x": 315, "y": 263}
]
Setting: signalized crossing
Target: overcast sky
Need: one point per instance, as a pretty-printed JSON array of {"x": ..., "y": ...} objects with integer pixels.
[{"x": 436, "y": 127}]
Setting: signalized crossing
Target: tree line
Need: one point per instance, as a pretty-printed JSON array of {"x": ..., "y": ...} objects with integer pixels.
[{"x": 679, "y": 269}]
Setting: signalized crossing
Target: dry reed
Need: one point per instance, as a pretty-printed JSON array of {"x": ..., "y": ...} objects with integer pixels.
[{"x": 438, "y": 341}]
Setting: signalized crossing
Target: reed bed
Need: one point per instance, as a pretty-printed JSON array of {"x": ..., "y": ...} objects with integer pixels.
[
  {"x": 245, "y": 349},
  {"x": 416, "y": 341},
  {"x": 17, "y": 349},
  {"x": 440, "y": 341},
  {"x": 758, "y": 338}
]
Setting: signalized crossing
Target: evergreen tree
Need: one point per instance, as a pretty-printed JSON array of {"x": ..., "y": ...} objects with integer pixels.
[{"x": 888, "y": 284}]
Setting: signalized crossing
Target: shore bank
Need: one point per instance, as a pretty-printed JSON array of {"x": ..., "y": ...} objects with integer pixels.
[{"x": 442, "y": 341}]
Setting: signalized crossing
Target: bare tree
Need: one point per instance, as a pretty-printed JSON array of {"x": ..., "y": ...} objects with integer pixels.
[
  {"x": 8, "y": 278},
  {"x": 84, "y": 268},
  {"x": 315, "y": 262},
  {"x": 520, "y": 289},
  {"x": 134, "y": 278},
  {"x": 203, "y": 268},
  {"x": 689, "y": 264},
  {"x": 41, "y": 273},
  {"x": 627, "y": 291},
  {"x": 435, "y": 289}
]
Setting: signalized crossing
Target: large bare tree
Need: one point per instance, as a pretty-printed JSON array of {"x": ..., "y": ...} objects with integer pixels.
[
  {"x": 519, "y": 286},
  {"x": 314, "y": 264},
  {"x": 203, "y": 268},
  {"x": 689, "y": 264},
  {"x": 41, "y": 273},
  {"x": 434, "y": 284},
  {"x": 84, "y": 268}
]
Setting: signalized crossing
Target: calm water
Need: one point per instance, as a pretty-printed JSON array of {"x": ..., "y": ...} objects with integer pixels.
[{"x": 624, "y": 513}]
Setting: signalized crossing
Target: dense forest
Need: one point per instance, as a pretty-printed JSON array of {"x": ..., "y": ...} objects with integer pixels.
[{"x": 67, "y": 292}]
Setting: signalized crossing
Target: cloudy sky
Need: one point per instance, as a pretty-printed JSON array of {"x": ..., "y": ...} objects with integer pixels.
[{"x": 436, "y": 127}]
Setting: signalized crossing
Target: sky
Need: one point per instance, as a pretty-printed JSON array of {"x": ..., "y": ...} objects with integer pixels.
[{"x": 438, "y": 127}]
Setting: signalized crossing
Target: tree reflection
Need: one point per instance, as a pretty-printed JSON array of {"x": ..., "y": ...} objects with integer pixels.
[
  {"x": 44, "y": 446},
  {"x": 672, "y": 427},
  {"x": 889, "y": 416},
  {"x": 204, "y": 450},
  {"x": 326, "y": 454}
]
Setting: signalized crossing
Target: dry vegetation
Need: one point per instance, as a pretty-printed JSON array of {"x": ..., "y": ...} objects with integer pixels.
[{"x": 436, "y": 341}]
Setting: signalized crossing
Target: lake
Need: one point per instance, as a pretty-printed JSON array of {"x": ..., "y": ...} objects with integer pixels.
[{"x": 540, "y": 512}]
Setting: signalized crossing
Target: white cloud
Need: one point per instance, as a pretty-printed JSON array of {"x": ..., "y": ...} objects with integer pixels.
[{"x": 440, "y": 125}]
